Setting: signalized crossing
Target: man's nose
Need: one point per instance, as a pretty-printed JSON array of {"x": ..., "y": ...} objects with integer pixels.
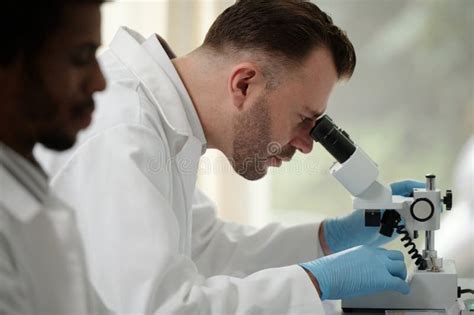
[
  {"x": 96, "y": 81},
  {"x": 303, "y": 142}
]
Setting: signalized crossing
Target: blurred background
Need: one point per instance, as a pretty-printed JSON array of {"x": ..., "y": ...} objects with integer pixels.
[{"x": 409, "y": 103}]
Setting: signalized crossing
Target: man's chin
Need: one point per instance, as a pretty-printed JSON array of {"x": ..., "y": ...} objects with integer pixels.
[
  {"x": 254, "y": 174},
  {"x": 58, "y": 142}
]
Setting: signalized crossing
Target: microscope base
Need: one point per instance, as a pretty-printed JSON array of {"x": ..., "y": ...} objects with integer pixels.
[{"x": 429, "y": 291}]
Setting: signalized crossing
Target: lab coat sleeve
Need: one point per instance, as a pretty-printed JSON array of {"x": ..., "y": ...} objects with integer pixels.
[
  {"x": 131, "y": 238},
  {"x": 221, "y": 247}
]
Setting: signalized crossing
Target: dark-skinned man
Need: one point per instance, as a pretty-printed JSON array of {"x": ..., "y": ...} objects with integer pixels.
[{"x": 48, "y": 75}]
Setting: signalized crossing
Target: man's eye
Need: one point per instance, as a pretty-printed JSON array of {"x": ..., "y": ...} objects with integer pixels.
[
  {"x": 83, "y": 58},
  {"x": 305, "y": 120}
]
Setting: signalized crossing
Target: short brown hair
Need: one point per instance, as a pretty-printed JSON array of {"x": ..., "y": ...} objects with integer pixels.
[{"x": 287, "y": 28}]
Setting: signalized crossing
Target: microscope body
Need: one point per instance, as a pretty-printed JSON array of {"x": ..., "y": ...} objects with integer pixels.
[{"x": 433, "y": 284}]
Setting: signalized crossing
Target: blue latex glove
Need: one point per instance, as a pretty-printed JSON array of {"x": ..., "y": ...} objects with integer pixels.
[
  {"x": 349, "y": 231},
  {"x": 359, "y": 271}
]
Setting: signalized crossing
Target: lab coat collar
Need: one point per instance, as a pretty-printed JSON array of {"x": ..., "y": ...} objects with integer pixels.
[
  {"x": 147, "y": 59},
  {"x": 154, "y": 47},
  {"x": 24, "y": 187}
]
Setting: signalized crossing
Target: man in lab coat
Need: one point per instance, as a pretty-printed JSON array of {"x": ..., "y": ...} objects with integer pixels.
[
  {"x": 253, "y": 91},
  {"x": 48, "y": 73}
]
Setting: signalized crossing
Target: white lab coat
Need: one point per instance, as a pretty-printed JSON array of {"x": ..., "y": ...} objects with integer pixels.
[
  {"x": 153, "y": 241},
  {"x": 42, "y": 267}
]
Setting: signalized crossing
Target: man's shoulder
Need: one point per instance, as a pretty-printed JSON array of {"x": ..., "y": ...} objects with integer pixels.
[
  {"x": 108, "y": 146},
  {"x": 124, "y": 100}
]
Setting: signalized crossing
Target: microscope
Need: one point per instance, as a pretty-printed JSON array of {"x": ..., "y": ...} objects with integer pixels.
[{"x": 433, "y": 284}]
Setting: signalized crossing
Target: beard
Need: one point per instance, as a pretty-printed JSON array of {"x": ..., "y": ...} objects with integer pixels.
[
  {"x": 46, "y": 115},
  {"x": 55, "y": 138},
  {"x": 56, "y": 141},
  {"x": 252, "y": 146}
]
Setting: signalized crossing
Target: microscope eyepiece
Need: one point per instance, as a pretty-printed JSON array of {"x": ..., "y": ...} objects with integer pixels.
[{"x": 335, "y": 140}]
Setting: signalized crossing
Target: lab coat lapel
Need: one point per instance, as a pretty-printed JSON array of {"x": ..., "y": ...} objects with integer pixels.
[{"x": 187, "y": 161}]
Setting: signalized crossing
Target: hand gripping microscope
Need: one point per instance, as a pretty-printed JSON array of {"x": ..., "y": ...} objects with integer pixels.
[{"x": 434, "y": 282}]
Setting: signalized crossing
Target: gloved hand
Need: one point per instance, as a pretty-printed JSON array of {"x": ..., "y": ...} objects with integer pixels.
[
  {"x": 349, "y": 231},
  {"x": 359, "y": 271}
]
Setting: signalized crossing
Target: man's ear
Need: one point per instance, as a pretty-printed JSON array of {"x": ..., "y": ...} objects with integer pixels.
[{"x": 244, "y": 79}]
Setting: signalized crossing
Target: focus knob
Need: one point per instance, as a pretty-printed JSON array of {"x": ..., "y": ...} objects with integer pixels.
[
  {"x": 422, "y": 209},
  {"x": 448, "y": 199}
]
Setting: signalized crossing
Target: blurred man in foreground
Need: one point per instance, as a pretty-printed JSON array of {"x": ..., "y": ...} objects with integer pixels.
[{"x": 48, "y": 74}]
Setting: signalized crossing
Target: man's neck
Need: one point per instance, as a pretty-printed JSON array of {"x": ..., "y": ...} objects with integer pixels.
[{"x": 191, "y": 71}]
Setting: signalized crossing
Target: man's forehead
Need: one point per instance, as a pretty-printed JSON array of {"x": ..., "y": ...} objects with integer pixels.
[{"x": 81, "y": 21}]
